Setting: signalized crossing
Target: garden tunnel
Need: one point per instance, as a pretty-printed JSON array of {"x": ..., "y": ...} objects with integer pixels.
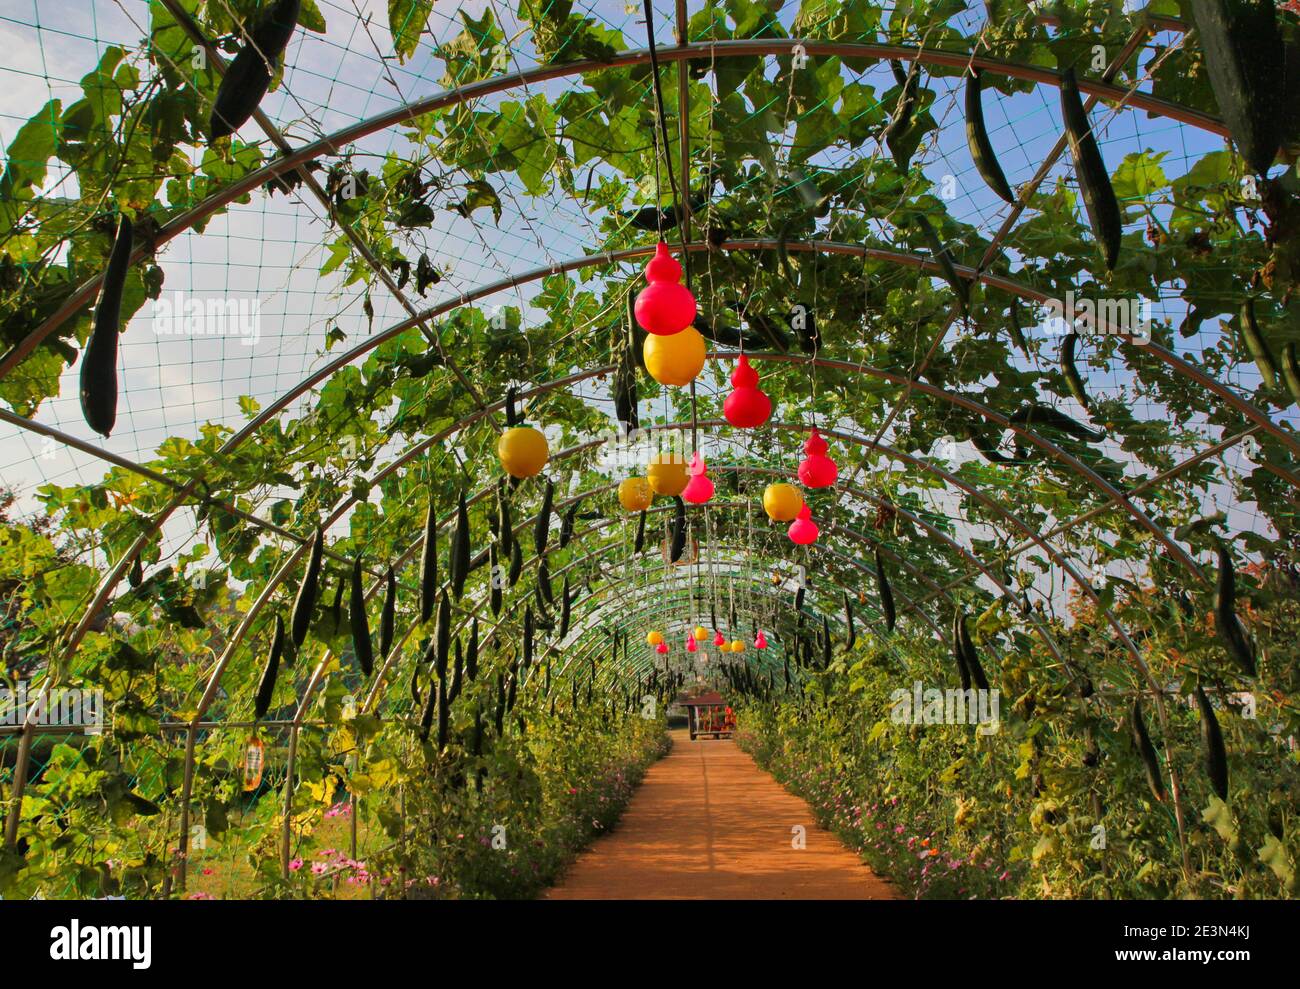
[{"x": 1065, "y": 431}]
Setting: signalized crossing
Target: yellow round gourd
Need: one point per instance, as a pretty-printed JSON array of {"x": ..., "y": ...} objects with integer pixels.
[
  {"x": 635, "y": 494},
  {"x": 523, "y": 451},
  {"x": 675, "y": 359},
  {"x": 782, "y": 502},
  {"x": 667, "y": 474}
]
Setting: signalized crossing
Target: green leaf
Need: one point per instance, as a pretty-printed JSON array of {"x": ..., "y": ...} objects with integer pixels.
[
  {"x": 29, "y": 153},
  {"x": 480, "y": 194},
  {"x": 406, "y": 21},
  {"x": 310, "y": 17}
]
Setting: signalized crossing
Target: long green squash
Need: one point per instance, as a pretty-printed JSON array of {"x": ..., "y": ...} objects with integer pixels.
[
  {"x": 528, "y": 636},
  {"x": 460, "y": 549},
  {"x": 505, "y": 525},
  {"x": 958, "y": 652},
  {"x": 429, "y": 563},
  {"x": 471, "y": 652},
  {"x": 495, "y": 579},
  {"x": 942, "y": 256},
  {"x": 99, "y": 359},
  {"x": 1245, "y": 61},
  {"x": 457, "y": 671},
  {"x": 625, "y": 397},
  {"x": 885, "y": 592},
  {"x": 969, "y": 655},
  {"x": 1257, "y": 345},
  {"x": 388, "y": 616},
  {"x": 977, "y": 139},
  {"x": 566, "y": 604},
  {"x": 1146, "y": 751},
  {"x": 1291, "y": 372},
  {"x": 305, "y": 602},
  {"x": 336, "y": 608},
  {"x": 1228, "y": 626},
  {"x": 542, "y": 527},
  {"x": 442, "y": 638},
  {"x": 544, "y": 582},
  {"x": 499, "y": 719},
  {"x": 357, "y": 619},
  {"x": 677, "y": 543},
  {"x": 848, "y": 618},
  {"x": 639, "y": 543},
  {"x": 567, "y": 523},
  {"x": 266, "y": 687},
  {"x": 1094, "y": 181},
  {"x": 516, "y": 563},
  {"x": 248, "y": 76},
  {"x": 1070, "y": 370},
  {"x": 1216, "y": 755}
]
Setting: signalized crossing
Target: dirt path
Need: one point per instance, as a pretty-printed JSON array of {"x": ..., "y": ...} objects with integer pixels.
[{"x": 706, "y": 822}]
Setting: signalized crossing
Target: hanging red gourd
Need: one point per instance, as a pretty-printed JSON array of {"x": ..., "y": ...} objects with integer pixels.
[
  {"x": 803, "y": 530},
  {"x": 817, "y": 470},
  {"x": 661, "y": 648},
  {"x": 760, "y": 640},
  {"x": 719, "y": 639},
  {"x": 665, "y": 306},
  {"x": 690, "y": 644},
  {"x": 699, "y": 489},
  {"x": 746, "y": 407}
]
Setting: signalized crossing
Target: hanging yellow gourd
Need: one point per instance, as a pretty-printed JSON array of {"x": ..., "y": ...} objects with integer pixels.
[
  {"x": 667, "y": 474},
  {"x": 523, "y": 451},
  {"x": 701, "y": 633},
  {"x": 635, "y": 494},
  {"x": 737, "y": 645},
  {"x": 675, "y": 359},
  {"x": 782, "y": 502},
  {"x": 654, "y": 638}
]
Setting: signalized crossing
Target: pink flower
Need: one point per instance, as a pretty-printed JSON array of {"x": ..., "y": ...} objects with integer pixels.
[
  {"x": 318, "y": 868},
  {"x": 295, "y": 865},
  {"x": 199, "y": 896}
]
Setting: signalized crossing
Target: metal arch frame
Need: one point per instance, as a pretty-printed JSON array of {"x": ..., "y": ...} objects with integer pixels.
[
  {"x": 975, "y": 493},
  {"x": 922, "y": 263},
  {"x": 395, "y": 651},
  {"x": 332, "y": 143},
  {"x": 675, "y": 597},
  {"x": 294, "y": 558},
  {"x": 116, "y": 574}
]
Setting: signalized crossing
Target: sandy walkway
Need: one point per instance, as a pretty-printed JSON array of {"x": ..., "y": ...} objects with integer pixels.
[{"x": 706, "y": 822}]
